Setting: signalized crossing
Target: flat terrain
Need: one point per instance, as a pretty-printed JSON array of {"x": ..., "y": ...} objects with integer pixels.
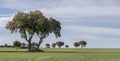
[{"x": 63, "y": 54}]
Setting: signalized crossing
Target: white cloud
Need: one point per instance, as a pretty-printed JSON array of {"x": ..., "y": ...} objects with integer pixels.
[
  {"x": 4, "y": 21},
  {"x": 73, "y": 8},
  {"x": 67, "y": 7},
  {"x": 82, "y": 11},
  {"x": 92, "y": 30}
]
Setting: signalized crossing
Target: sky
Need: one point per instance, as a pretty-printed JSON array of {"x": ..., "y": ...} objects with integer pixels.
[{"x": 95, "y": 21}]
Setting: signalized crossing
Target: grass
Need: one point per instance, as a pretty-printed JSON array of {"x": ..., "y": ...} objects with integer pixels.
[{"x": 63, "y": 54}]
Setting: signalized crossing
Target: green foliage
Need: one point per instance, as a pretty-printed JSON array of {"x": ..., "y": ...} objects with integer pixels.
[
  {"x": 23, "y": 45},
  {"x": 56, "y": 27},
  {"x": 53, "y": 45},
  {"x": 83, "y": 43},
  {"x": 36, "y": 44},
  {"x": 16, "y": 44},
  {"x": 59, "y": 44},
  {"x": 47, "y": 45},
  {"x": 76, "y": 44},
  {"x": 6, "y": 45},
  {"x": 66, "y": 46}
]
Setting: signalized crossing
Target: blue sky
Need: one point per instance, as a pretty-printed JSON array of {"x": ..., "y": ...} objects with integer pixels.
[{"x": 96, "y": 21}]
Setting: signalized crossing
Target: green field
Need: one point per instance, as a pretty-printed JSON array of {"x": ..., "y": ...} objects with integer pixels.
[{"x": 63, "y": 54}]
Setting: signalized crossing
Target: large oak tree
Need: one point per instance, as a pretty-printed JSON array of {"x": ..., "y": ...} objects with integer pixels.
[{"x": 31, "y": 23}]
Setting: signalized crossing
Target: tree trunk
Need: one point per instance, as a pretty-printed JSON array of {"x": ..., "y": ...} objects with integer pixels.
[
  {"x": 29, "y": 45},
  {"x": 40, "y": 41},
  {"x": 29, "y": 42}
]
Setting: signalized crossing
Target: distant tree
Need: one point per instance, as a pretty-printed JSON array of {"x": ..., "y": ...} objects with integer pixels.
[
  {"x": 76, "y": 44},
  {"x": 53, "y": 45},
  {"x": 83, "y": 43},
  {"x": 23, "y": 45},
  {"x": 59, "y": 44},
  {"x": 6, "y": 45},
  {"x": 47, "y": 45},
  {"x": 16, "y": 44},
  {"x": 31, "y": 23},
  {"x": 1, "y": 46},
  {"x": 66, "y": 46}
]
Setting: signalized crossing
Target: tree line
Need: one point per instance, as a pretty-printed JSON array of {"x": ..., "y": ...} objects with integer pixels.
[
  {"x": 18, "y": 44},
  {"x": 81, "y": 43}
]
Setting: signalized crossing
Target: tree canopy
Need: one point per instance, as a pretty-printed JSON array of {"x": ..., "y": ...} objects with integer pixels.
[
  {"x": 76, "y": 44},
  {"x": 16, "y": 44},
  {"x": 59, "y": 43},
  {"x": 53, "y": 45},
  {"x": 82, "y": 43}
]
